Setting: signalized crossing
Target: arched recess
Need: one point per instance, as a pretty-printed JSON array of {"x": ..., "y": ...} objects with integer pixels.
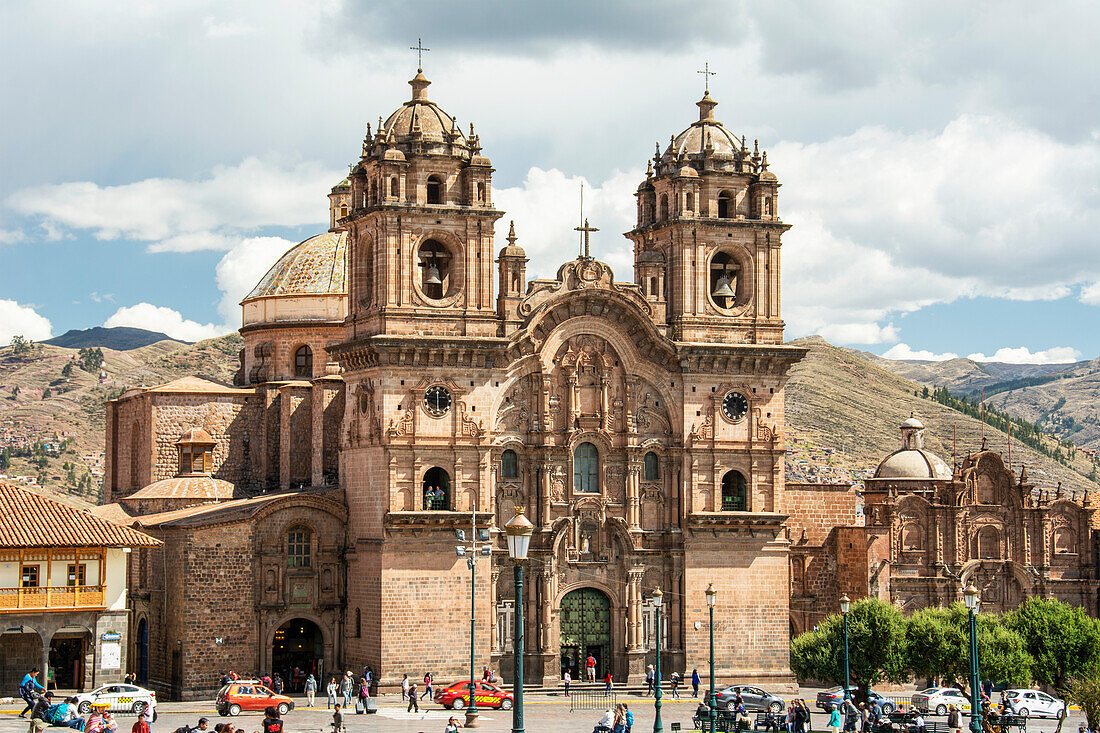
[
  {"x": 735, "y": 497},
  {"x": 586, "y": 468},
  {"x": 585, "y": 630},
  {"x": 434, "y": 189},
  {"x": 987, "y": 543},
  {"x": 301, "y": 362},
  {"x": 912, "y": 537},
  {"x": 1064, "y": 541},
  {"x": 299, "y": 642},
  {"x": 436, "y": 489},
  {"x": 141, "y": 662}
]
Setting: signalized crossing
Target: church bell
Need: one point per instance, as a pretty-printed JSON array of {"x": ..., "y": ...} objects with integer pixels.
[
  {"x": 432, "y": 277},
  {"x": 722, "y": 288}
]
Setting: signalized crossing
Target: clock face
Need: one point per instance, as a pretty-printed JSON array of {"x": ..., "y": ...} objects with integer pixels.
[
  {"x": 734, "y": 406},
  {"x": 437, "y": 400}
]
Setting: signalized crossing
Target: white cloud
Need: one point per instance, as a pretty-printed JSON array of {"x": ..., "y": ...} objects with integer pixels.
[
  {"x": 10, "y": 236},
  {"x": 226, "y": 28},
  {"x": 241, "y": 268},
  {"x": 1090, "y": 294},
  {"x": 859, "y": 333},
  {"x": 183, "y": 216},
  {"x": 1023, "y": 355},
  {"x": 164, "y": 320},
  {"x": 903, "y": 352},
  {"x": 22, "y": 320}
]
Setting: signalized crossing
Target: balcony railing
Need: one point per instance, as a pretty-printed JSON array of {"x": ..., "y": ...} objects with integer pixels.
[{"x": 50, "y": 598}]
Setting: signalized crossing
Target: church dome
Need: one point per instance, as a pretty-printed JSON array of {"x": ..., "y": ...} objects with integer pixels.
[
  {"x": 420, "y": 125},
  {"x": 316, "y": 266},
  {"x": 205, "y": 488},
  {"x": 706, "y": 135},
  {"x": 912, "y": 461}
]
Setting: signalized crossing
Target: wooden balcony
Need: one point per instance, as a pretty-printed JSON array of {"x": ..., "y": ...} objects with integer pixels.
[{"x": 52, "y": 598}]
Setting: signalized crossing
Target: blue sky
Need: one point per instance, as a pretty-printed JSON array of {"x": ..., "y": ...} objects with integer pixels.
[{"x": 940, "y": 163}]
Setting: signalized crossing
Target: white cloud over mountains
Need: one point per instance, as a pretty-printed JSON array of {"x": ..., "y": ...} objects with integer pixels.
[
  {"x": 22, "y": 320},
  {"x": 1023, "y": 355}
]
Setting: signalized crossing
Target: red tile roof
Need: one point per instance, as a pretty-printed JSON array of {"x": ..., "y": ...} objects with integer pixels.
[{"x": 28, "y": 519}]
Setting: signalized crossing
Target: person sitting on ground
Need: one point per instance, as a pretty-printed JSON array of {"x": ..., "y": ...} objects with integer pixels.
[
  {"x": 272, "y": 722},
  {"x": 40, "y": 711},
  {"x": 452, "y": 725},
  {"x": 100, "y": 721},
  {"x": 605, "y": 723}
]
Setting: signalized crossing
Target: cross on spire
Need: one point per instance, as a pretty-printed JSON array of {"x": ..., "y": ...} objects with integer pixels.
[
  {"x": 419, "y": 48},
  {"x": 587, "y": 230},
  {"x": 707, "y": 74}
]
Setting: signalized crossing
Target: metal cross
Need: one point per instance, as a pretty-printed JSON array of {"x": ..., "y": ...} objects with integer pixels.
[
  {"x": 587, "y": 230},
  {"x": 707, "y": 74},
  {"x": 419, "y": 48}
]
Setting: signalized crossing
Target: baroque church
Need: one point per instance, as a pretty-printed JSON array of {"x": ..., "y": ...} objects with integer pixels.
[{"x": 402, "y": 380}]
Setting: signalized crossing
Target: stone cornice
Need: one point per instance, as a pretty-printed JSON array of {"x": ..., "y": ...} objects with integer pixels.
[{"x": 471, "y": 352}]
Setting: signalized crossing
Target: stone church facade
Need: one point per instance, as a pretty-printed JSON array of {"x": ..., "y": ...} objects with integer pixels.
[{"x": 390, "y": 395}]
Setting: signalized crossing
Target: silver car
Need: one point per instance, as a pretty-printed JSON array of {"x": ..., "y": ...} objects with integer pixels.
[{"x": 1033, "y": 703}]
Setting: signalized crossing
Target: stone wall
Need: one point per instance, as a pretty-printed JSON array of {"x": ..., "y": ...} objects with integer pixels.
[{"x": 229, "y": 419}]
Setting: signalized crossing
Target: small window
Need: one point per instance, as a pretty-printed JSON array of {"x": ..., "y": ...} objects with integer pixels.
[
  {"x": 76, "y": 575},
  {"x": 298, "y": 549},
  {"x": 725, "y": 205},
  {"x": 664, "y": 206},
  {"x": 651, "y": 467},
  {"x": 690, "y": 201},
  {"x": 435, "y": 190},
  {"x": 734, "y": 493},
  {"x": 343, "y": 210},
  {"x": 509, "y": 464},
  {"x": 586, "y": 469},
  {"x": 303, "y": 362},
  {"x": 30, "y": 577},
  {"x": 393, "y": 187}
]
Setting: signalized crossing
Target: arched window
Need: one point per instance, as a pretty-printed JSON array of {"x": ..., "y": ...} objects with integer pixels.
[
  {"x": 798, "y": 576},
  {"x": 435, "y": 190},
  {"x": 437, "y": 490},
  {"x": 480, "y": 192},
  {"x": 912, "y": 537},
  {"x": 725, "y": 205},
  {"x": 734, "y": 493},
  {"x": 509, "y": 464},
  {"x": 586, "y": 468},
  {"x": 989, "y": 543},
  {"x": 664, "y": 207},
  {"x": 653, "y": 287},
  {"x": 393, "y": 186},
  {"x": 298, "y": 549},
  {"x": 649, "y": 210},
  {"x": 358, "y": 623},
  {"x": 768, "y": 206},
  {"x": 435, "y": 269},
  {"x": 343, "y": 210},
  {"x": 691, "y": 201},
  {"x": 724, "y": 279},
  {"x": 651, "y": 467},
  {"x": 303, "y": 362},
  {"x": 1065, "y": 541}
]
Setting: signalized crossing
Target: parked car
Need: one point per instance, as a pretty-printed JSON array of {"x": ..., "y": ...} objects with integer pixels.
[
  {"x": 246, "y": 695},
  {"x": 121, "y": 698},
  {"x": 1034, "y": 703},
  {"x": 835, "y": 697},
  {"x": 753, "y": 697},
  {"x": 486, "y": 695},
  {"x": 937, "y": 699}
]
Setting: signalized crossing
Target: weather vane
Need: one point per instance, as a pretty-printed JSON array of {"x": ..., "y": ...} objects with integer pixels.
[
  {"x": 419, "y": 48},
  {"x": 707, "y": 74}
]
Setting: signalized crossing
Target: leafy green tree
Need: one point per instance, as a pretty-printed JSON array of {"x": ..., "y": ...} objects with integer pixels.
[
  {"x": 1002, "y": 655},
  {"x": 1086, "y": 693},
  {"x": 5, "y": 459},
  {"x": 1063, "y": 640},
  {"x": 21, "y": 346},
  {"x": 933, "y": 642},
  {"x": 876, "y": 647},
  {"x": 67, "y": 370}
]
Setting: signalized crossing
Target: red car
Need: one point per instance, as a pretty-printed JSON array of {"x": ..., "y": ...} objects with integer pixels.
[
  {"x": 249, "y": 695},
  {"x": 485, "y": 696}
]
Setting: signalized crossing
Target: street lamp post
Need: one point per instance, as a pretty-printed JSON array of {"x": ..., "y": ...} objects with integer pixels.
[
  {"x": 712, "y": 597},
  {"x": 471, "y": 554},
  {"x": 657, "y": 727},
  {"x": 970, "y": 596},
  {"x": 845, "y": 604},
  {"x": 518, "y": 531}
]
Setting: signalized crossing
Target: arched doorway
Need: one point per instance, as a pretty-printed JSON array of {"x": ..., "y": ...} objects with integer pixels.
[
  {"x": 298, "y": 650},
  {"x": 143, "y": 651},
  {"x": 67, "y": 649},
  {"x": 585, "y": 630},
  {"x": 437, "y": 489}
]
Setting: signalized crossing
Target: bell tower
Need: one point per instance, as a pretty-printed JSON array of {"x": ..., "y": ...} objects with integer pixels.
[
  {"x": 420, "y": 226},
  {"x": 708, "y": 222}
]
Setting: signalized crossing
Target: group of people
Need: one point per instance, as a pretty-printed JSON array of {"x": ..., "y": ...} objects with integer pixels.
[
  {"x": 346, "y": 689},
  {"x": 409, "y": 692},
  {"x": 616, "y": 720}
]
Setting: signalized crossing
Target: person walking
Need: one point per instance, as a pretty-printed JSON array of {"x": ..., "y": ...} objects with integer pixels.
[
  {"x": 29, "y": 689},
  {"x": 346, "y": 686},
  {"x": 310, "y": 689},
  {"x": 607, "y": 680},
  {"x": 834, "y": 719},
  {"x": 954, "y": 720},
  {"x": 695, "y": 683},
  {"x": 337, "y": 720},
  {"x": 404, "y": 687},
  {"x": 428, "y": 679},
  {"x": 618, "y": 723},
  {"x": 566, "y": 678},
  {"x": 590, "y": 668},
  {"x": 266, "y": 681},
  {"x": 452, "y": 725},
  {"x": 331, "y": 689},
  {"x": 277, "y": 684},
  {"x": 413, "y": 704},
  {"x": 364, "y": 694},
  {"x": 851, "y": 716},
  {"x": 629, "y": 717},
  {"x": 649, "y": 680}
]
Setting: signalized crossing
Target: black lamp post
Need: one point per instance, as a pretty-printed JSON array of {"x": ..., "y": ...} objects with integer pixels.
[
  {"x": 657, "y": 727},
  {"x": 970, "y": 596},
  {"x": 845, "y": 604},
  {"x": 518, "y": 531},
  {"x": 712, "y": 598}
]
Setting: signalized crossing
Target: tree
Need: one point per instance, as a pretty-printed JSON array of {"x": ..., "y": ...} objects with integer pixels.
[
  {"x": 5, "y": 459},
  {"x": 67, "y": 370},
  {"x": 876, "y": 647},
  {"x": 932, "y": 642},
  {"x": 1063, "y": 640},
  {"x": 1002, "y": 655},
  {"x": 1086, "y": 693},
  {"x": 21, "y": 346}
]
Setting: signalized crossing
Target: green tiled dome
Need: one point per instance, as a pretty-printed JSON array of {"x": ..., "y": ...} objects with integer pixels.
[{"x": 316, "y": 266}]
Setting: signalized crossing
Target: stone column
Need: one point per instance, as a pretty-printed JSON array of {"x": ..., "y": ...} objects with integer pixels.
[
  {"x": 284, "y": 437},
  {"x": 317, "y": 415},
  {"x": 544, "y": 491},
  {"x": 633, "y": 501},
  {"x": 494, "y": 637},
  {"x": 635, "y": 647},
  {"x": 574, "y": 402}
]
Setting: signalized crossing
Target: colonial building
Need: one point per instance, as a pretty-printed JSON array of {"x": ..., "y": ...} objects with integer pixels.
[
  {"x": 389, "y": 396},
  {"x": 63, "y": 600}
]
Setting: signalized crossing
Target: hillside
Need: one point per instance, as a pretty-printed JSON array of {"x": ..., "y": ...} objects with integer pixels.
[
  {"x": 119, "y": 338},
  {"x": 963, "y": 376},
  {"x": 53, "y": 424},
  {"x": 843, "y": 413}
]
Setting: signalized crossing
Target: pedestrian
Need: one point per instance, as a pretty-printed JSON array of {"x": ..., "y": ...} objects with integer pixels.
[
  {"x": 604, "y": 724},
  {"x": 266, "y": 680},
  {"x": 649, "y": 680},
  {"x": 629, "y": 717},
  {"x": 337, "y": 720},
  {"x": 100, "y": 721},
  {"x": 310, "y": 689},
  {"x": 566, "y": 678},
  {"x": 428, "y": 679},
  {"x": 346, "y": 686},
  {"x": 590, "y": 668},
  {"x": 618, "y": 724},
  {"x": 141, "y": 726},
  {"x": 864, "y": 718},
  {"x": 834, "y": 719},
  {"x": 368, "y": 675},
  {"x": 413, "y": 705},
  {"x": 364, "y": 694},
  {"x": 404, "y": 686},
  {"x": 674, "y": 682},
  {"x": 277, "y": 684},
  {"x": 28, "y": 690},
  {"x": 695, "y": 683},
  {"x": 954, "y": 720},
  {"x": 272, "y": 722},
  {"x": 607, "y": 682},
  {"x": 331, "y": 689},
  {"x": 452, "y": 725}
]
